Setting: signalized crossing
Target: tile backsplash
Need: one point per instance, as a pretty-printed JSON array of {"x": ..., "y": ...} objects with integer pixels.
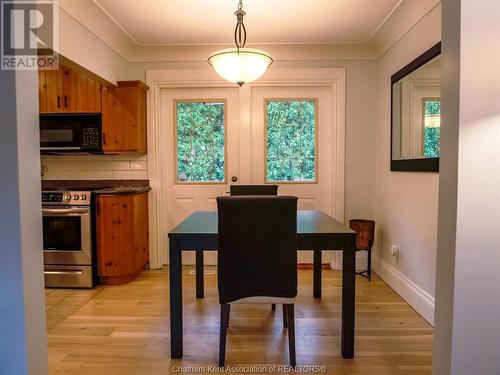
[{"x": 94, "y": 167}]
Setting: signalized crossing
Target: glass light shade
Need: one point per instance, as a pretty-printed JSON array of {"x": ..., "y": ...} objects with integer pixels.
[
  {"x": 241, "y": 67},
  {"x": 432, "y": 121}
]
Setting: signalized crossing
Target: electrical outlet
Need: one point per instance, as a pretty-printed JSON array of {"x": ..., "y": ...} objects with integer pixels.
[{"x": 395, "y": 250}]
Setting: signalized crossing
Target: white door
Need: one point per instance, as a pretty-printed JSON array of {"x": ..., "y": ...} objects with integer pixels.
[
  {"x": 293, "y": 145},
  {"x": 201, "y": 151}
]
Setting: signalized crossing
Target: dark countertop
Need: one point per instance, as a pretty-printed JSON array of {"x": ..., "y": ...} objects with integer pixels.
[
  {"x": 101, "y": 187},
  {"x": 122, "y": 190}
]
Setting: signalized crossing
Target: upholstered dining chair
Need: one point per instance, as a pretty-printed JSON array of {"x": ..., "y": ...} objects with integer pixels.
[
  {"x": 365, "y": 237},
  {"x": 257, "y": 257},
  {"x": 238, "y": 190},
  {"x": 235, "y": 190}
]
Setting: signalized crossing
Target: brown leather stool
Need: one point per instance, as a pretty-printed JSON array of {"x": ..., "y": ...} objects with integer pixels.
[{"x": 365, "y": 230}]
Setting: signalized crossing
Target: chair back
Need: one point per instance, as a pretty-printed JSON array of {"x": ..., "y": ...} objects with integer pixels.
[
  {"x": 365, "y": 230},
  {"x": 253, "y": 190},
  {"x": 257, "y": 253}
]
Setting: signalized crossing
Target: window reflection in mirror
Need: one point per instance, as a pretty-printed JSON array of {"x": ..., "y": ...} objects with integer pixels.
[
  {"x": 431, "y": 119},
  {"x": 417, "y": 113}
]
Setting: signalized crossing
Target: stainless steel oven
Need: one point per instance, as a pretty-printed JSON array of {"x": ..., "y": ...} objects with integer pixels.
[{"x": 68, "y": 239}]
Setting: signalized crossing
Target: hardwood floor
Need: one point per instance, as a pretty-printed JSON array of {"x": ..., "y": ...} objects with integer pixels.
[{"x": 114, "y": 330}]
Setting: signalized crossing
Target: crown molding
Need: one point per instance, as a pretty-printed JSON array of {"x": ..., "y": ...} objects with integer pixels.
[
  {"x": 279, "y": 52},
  {"x": 98, "y": 22},
  {"x": 401, "y": 21},
  {"x": 92, "y": 17}
]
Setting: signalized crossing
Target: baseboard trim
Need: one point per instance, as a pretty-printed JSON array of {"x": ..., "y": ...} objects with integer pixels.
[
  {"x": 361, "y": 260},
  {"x": 416, "y": 297}
]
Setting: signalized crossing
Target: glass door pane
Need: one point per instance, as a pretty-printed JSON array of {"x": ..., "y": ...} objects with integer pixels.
[
  {"x": 200, "y": 141},
  {"x": 291, "y": 131}
]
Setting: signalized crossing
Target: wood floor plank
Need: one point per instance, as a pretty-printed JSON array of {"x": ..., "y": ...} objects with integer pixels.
[{"x": 124, "y": 329}]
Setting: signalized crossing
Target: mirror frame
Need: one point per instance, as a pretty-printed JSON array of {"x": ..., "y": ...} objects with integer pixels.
[{"x": 421, "y": 164}]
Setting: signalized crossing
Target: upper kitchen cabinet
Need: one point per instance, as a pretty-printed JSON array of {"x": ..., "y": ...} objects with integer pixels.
[
  {"x": 124, "y": 118},
  {"x": 67, "y": 90}
]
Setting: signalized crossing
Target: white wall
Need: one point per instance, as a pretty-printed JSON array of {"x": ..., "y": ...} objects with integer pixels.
[
  {"x": 467, "y": 333},
  {"x": 447, "y": 222},
  {"x": 83, "y": 46},
  {"x": 406, "y": 203},
  {"x": 360, "y": 172},
  {"x": 22, "y": 309}
]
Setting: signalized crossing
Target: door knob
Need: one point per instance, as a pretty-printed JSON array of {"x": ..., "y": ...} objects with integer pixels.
[{"x": 234, "y": 178}]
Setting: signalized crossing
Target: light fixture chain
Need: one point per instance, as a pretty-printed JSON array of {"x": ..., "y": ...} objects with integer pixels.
[
  {"x": 240, "y": 32},
  {"x": 239, "y": 65}
]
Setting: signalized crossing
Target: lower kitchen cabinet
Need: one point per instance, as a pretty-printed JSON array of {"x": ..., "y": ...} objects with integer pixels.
[{"x": 122, "y": 236}]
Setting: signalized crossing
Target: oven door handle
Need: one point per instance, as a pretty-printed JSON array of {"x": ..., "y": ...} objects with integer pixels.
[
  {"x": 68, "y": 272},
  {"x": 65, "y": 211}
]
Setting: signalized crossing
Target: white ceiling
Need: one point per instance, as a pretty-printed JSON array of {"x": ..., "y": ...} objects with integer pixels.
[{"x": 172, "y": 22}]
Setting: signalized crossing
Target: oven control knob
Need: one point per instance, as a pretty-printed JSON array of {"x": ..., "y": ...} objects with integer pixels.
[
  {"x": 67, "y": 197},
  {"x": 76, "y": 197},
  {"x": 84, "y": 197}
]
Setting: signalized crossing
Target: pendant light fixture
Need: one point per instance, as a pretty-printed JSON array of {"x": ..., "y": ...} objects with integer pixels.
[{"x": 240, "y": 65}]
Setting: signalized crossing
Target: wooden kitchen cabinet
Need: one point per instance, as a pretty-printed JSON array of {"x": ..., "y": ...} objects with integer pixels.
[
  {"x": 123, "y": 107},
  {"x": 50, "y": 91},
  {"x": 124, "y": 118},
  {"x": 67, "y": 90},
  {"x": 80, "y": 92},
  {"x": 122, "y": 236}
]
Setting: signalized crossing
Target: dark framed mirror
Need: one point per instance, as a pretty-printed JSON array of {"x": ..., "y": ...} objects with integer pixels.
[{"x": 416, "y": 114}]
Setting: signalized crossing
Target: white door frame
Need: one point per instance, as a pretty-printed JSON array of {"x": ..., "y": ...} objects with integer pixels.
[{"x": 206, "y": 78}]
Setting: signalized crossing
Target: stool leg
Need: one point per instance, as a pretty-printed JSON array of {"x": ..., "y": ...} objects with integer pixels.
[
  {"x": 291, "y": 332},
  {"x": 285, "y": 317},
  {"x": 273, "y": 307}
]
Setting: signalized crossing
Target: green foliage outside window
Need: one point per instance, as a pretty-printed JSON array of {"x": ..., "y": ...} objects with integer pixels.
[
  {"x": 432, "y": 127},
  {"x": 291, "y": 140},
  {"x": 200, "y": 141}
]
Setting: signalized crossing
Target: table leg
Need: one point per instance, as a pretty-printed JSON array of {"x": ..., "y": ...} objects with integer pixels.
[
  {"x": 199, "y": 274},
  {"x": 317, "y": 274},
  {"x": 175, "y": 267},
  {"x": 348, "y": 298}
]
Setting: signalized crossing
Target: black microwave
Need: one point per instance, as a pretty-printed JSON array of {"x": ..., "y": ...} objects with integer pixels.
[{"x": 71, "y": 132}]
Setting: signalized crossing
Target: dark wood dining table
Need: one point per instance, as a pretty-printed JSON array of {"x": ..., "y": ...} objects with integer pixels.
[{"x": 316, "y": 231}]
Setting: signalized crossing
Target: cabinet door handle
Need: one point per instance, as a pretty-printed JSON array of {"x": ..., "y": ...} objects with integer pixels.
[
  {"x": 58, "y": 101},
  {"x": 65, "y": 101},
  {"x": 103, "y": 139}
]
